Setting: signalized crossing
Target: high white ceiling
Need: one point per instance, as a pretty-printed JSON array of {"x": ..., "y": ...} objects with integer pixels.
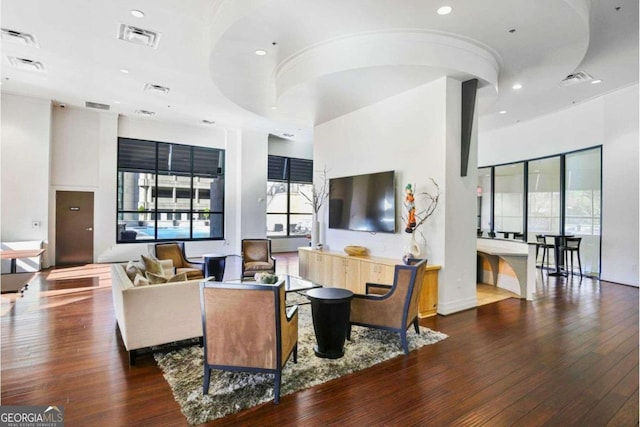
[{"x": 323, "y": 58}]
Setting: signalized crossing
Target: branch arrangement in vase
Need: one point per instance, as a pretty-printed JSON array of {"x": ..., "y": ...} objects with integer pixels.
[
  {"x": 319, "y": 192},
  {"x": 428, "y": 201}
]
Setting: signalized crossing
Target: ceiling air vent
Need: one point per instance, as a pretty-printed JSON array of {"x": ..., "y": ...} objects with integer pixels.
[
  {"x": 156, "y": 89},
  {"x": 575, "y": 78},
  {"x": 138, "y": 35},
  {"x": 146, "y": 113},
  {"x": 18, "y": 37},
  {"x": 26, "y": 64},
  {"x": 97, "y": 105}
]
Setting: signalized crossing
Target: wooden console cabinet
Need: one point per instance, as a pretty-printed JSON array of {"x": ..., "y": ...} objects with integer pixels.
[{"x": 335, "y": 269}]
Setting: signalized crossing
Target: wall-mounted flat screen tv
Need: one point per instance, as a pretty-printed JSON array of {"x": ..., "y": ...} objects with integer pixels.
[{"x": 363, "y": 202}]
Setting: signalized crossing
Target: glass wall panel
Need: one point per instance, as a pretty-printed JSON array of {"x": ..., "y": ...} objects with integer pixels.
[
  {"x": 508, "y": 209},
  {"x": 543, "y": 216},
  {"x": 582, "y": 204},
  {"x": 484, "y": 201}
]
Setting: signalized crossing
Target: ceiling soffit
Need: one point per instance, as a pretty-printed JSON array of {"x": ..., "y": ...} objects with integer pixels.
[{"x": 430, "y": 49}]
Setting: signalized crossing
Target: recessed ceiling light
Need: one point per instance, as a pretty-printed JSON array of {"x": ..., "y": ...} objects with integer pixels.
[
  {"x": 516, "y": 86},
  {"x": 273, "y": 107},
  {"x": 137, "y": 13},
  {"x": 444, "y": 10},
  {"x": 116, "y": 102},
  {"x": 261, "y": 52},
  {"x": 124, "y": 71},
  {"x": 502, "y": 112},
  {"x": 596, "y": 81}
]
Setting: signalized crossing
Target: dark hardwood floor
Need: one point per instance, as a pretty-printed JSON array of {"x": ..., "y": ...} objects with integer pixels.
[{"x": 568, "y": 358}]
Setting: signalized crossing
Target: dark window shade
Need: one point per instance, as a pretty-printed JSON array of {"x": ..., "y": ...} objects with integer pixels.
[
  {"x": 277, "y": 168},
  {"x": 136, "y": 155},
  {"x": 301, "y": 170},
  {"x": 174, "y": 158},
  {"x": 207, "y": 161},
  {"x": 295, "y": 170}
]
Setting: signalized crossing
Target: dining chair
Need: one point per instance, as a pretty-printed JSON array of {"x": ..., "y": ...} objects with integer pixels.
[
  {"x": 541, "y": 243},
  {"x": 571, "y": 246}
]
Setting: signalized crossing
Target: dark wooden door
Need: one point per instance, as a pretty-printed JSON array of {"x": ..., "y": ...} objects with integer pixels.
[{"x": 74, "y": 227}]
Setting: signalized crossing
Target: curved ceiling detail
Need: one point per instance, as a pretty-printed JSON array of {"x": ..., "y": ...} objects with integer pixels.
[
  {"x": 325, "y": 59},
  {"x": 451, "y": 54}
]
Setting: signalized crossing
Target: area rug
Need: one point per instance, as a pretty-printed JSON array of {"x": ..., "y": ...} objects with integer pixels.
[{"x": 231, "y": 392}]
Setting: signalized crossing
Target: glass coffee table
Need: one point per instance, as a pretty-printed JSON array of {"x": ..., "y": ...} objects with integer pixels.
[{"x": 292, "y": 285}]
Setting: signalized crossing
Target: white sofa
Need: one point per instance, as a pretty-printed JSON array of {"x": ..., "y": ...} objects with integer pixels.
[{"x": 154, "y": 314}]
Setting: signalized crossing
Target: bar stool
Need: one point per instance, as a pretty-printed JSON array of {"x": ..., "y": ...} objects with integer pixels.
[
  {"x": 541, "y": 242},
  {"x": 572, "y": 245}
]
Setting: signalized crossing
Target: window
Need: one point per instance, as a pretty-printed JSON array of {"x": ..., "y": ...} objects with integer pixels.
[
  {"x": 169, "y": 191},
  {"x": 484, "y": 200},
  {"x": 508, "y": 202},
  {"x": 543, "y": 210},
  {"x": 289, "y": 212}
]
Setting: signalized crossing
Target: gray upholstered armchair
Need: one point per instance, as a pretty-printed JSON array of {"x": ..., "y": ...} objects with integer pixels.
[
  {"x": 256, "y": 257},
  {"x": 397, "y": 309},
  {"x": 247, "y": 327}
]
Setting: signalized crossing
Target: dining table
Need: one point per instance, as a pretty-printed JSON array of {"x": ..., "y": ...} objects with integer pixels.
[{"x": 558, "y": 257}]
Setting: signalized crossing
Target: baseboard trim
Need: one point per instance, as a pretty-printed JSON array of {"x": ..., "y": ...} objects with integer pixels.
[{"x": 456, "y": 306}]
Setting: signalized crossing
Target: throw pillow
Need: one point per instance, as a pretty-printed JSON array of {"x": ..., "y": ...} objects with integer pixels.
[
  {"x": 133, "y": 269},
  {"x": 180, "y": 277},
  {"x": 139, "y": 280},
  {"x": 156, "y": 279},
  {"x": 152, "y": 264}
]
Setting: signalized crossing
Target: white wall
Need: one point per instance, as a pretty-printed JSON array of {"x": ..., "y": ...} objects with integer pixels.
[
  {"x": 25, "y": 168},
  {"x": 287, "y": 148},
  {"x": 82, "y": 145},
  {"x": 610, "y": 121},
  {"x": 253, "y": 183},
  {"x": 417, "y": 134}
]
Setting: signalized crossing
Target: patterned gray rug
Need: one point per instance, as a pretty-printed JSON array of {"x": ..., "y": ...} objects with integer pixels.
[{"x": 231, "y": 392}]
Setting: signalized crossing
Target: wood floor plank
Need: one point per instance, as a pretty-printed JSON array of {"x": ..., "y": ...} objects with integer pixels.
[{"x": 570, "y": 357}]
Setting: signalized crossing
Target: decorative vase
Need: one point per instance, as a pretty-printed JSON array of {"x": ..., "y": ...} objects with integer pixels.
[
  {"x": 315, "y": 233},
  {"x": 412, "y": 249}
]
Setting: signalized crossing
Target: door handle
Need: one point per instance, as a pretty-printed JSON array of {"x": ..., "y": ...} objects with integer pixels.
[{"x": 89, "y": 228}]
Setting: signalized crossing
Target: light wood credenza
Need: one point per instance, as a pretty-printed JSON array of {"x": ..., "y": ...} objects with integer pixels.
[{"x": 336, "y": 269}]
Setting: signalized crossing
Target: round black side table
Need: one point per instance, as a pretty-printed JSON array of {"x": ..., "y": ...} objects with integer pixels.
[
  {"x": 214, "y": 266},
  {"x": 330, "y": 308}
]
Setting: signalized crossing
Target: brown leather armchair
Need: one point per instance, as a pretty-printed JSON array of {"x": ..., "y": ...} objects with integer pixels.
[
  {"x": 175, "y": 252},
  {"x": 256, "y": 257},
  {"x": 247, "y": 327},
  {"x": 397, "y": 309}
]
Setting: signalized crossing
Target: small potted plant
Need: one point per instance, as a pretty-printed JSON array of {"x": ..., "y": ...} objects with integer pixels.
[{"x": 266, "y": 278}]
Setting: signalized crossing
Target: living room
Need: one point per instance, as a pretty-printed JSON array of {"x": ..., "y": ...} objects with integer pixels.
[{"x": 64, "y": 146}]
